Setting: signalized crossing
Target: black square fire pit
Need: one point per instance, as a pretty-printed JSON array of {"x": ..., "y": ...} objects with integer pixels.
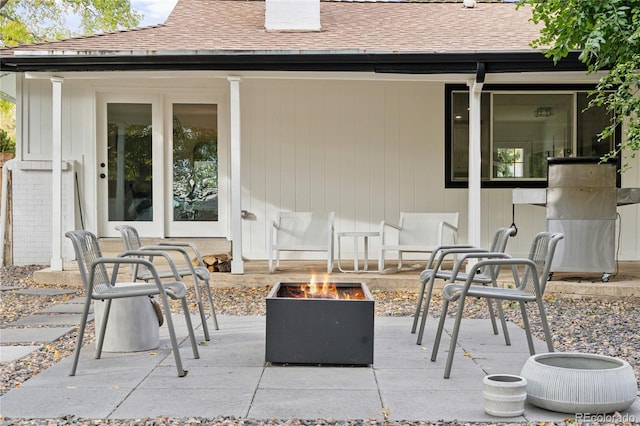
[{"x": 327, "y": 324}]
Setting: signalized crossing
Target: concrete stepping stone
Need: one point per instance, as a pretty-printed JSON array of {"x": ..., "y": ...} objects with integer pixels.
[
  {"x": 51, "y": 320},
  {"x": 45, "y": 291},
  {"x": 29, "y": 335},
  {"x": 65, "y": 308},
  {"x": 8, "y": 287},
  {"x": 12, "y": 353}
]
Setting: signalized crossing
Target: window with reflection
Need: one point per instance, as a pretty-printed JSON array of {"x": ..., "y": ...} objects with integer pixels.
[
  {"x": 129, "y": 162},
  {"x": 520, "y": 129},
  {"x": 195, "y": 162}
]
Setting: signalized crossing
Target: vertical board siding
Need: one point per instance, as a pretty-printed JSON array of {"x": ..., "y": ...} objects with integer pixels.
[{"x": 366, "y": 150}]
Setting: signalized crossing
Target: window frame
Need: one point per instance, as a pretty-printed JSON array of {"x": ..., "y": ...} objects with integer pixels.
[{"x": 489, "y": 89}]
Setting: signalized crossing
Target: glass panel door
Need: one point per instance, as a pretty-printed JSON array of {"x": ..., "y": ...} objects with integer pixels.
[
  {"x": 129, "y": 162},
  {"x": 195, "y": 169},
  {"x": 158, "y": 164},
  {"x": 195, "y": 163}
]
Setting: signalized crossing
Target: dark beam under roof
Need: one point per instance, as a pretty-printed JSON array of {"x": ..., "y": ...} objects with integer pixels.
[{"x": 398, "y": 63}]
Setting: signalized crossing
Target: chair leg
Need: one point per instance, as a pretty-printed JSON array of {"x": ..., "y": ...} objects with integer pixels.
[
  {"x": 172, "y": 334},
  {"x": 425, "y": 309},
  {"x": 192, "y": 334},
  {"x": 423, "y": 285},
  {"x": 436, "y": 342},
  {"x": 203, "y": 316},
  {"x": 545, "y": 325},
  {"x": 527, "y": 329},
  {"x": 454, "y": 338},
  {"x": 271, "y": 261},
  {"x": 503, "y": 321},
  {"x": 83, "y": 325},
  {"x": 213, "y": 308},
  {"x": 103, "y": 328},
  {"x": 492, "y": 316},
  {"x": 381, "y": 261}
]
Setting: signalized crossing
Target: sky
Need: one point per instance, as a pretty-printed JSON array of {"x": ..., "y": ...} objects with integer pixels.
[{"x": 154, "y": 11}]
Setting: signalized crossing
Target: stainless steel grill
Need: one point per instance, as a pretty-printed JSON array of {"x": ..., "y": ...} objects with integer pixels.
[{"x": 581, "y": 199}]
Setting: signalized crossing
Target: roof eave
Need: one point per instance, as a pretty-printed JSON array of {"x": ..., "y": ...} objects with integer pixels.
[{"x": 329, "y": 61}]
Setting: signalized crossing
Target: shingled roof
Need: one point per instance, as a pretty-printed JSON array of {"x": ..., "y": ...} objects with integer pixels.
[
  {"x": 233, "y": 25},
  {"x": 350, "y": 29}
]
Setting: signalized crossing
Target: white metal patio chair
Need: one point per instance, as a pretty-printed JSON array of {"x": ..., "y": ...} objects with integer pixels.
[
  {"x": 302, "y": 232},
  {"x": 417, "y": 233},
  {"x": 530, "y": 277},
  {"x": 199, "y": 272},
  {"x": 100, "y": 285},
  {"x": 434, "y": 270}
]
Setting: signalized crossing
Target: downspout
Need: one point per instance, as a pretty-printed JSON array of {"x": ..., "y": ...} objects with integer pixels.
[
  {"x": 3, "y": 205},
  {"x": 56, "y": 175},
  {"x": 475, "y": 157},
  {"x": 237, "y": 264}
]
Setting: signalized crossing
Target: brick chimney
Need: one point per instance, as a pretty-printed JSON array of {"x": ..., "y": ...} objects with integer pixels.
[{"x": 292, "y": 15}]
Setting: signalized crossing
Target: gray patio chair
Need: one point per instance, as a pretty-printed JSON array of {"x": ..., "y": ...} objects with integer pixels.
[
  {"x": 100, "y": 285},
  {"x": 434, "y": 270},
  {"x": 131, "y": 240},
  {"x": 530, "y": 278}
]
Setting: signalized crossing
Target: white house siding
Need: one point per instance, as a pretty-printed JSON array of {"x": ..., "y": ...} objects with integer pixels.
[{"x": 364, "y": 149}]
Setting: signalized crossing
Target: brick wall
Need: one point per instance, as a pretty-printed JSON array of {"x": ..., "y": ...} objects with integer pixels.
[{"x": 31, "y": 194}]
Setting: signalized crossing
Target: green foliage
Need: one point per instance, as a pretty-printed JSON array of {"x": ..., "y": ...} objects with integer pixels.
[
  {"x": 607, "y": 33},
  {"x": 31, "y": 21},
  {"x": 505, "y": 160},
  {"x": 7, "y": 143}
]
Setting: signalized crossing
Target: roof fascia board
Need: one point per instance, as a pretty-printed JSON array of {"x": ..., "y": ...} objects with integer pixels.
[{"x": 400, "y": 63}]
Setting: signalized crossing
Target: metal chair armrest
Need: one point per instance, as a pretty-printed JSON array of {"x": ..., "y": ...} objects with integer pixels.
[
  {"x": 139, "y": 254},
  {"x": 192, "y": 246},
  {"x": 514, "y": 262},
  {"x": 179, "y": 249},
  {"x": 121, "y": 259},
  {"x": 385, "y": 224},
  {"x": 477, "y": 255},
  {"x": 441, "y": 248},
  {"x": 450, "y": 226}
]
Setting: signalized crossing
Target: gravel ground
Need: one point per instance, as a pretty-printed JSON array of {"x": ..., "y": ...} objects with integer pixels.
[{"x": 607, "y": 327}]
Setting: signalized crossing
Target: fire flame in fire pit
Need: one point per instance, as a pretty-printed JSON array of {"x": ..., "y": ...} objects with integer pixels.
[{"x": 324, "y": 290}]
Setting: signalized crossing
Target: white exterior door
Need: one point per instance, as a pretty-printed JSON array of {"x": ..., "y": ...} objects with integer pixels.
[
  {"x": 129, "y": 162},
  {"x": 159, "y": 165}
]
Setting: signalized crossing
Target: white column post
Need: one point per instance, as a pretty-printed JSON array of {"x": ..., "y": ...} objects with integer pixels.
[
  {"x": 475, "y": 170},
  {"x": 56, "y": 175},
  {"x": 237, "y": 264}
]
